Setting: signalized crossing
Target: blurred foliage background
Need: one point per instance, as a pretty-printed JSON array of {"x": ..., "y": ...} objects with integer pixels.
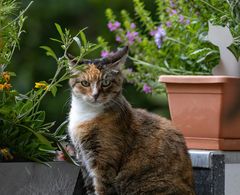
[{"x": 32, "y": 65}]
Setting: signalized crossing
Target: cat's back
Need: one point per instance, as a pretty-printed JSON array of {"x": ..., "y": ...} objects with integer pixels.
[
  {"x": 153, "y": 126},
  {"x": 157, "y": 136},
  {"x": 160, "y": 138},
  {"x": 159, "y": 159}
]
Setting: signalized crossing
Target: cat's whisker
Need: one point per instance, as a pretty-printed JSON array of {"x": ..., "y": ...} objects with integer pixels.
[{"x": 67, "y": 103}]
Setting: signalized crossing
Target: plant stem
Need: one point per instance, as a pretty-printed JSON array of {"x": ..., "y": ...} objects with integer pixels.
[
  {"x": 175, "y": 40},
  {"x": 21, "y": 14},
  {"x": 212, "y": 7},
  {"x": 19, "y": 31},
  {"x": 53, "y": 82},
  {"x": 165, "y": 70}
]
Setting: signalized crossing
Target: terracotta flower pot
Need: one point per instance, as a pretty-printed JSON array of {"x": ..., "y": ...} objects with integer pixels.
[{"x": 206, "y": 109}]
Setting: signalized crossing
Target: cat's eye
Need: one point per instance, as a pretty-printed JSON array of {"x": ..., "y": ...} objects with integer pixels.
[
  {"x": 106, "y": 83},
  {"x": 85, "y": 83}
]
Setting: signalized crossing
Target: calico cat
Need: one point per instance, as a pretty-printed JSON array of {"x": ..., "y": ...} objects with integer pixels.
[{"x": 123, "y": 150}]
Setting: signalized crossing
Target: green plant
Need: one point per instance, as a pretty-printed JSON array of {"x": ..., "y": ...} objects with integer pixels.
[
  {"x": 172, "y": 39},
  {"x": 10, "y": 29},
  {"x": 22, "y": 124}
]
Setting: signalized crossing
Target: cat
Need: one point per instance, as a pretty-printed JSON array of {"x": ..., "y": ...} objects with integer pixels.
[{"x": 123, "y": 150}]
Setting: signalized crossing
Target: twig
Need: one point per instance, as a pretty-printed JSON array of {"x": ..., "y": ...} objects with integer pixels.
[
  {"x": 212, "y": 7},
  {"x": 21, "y": 14}
]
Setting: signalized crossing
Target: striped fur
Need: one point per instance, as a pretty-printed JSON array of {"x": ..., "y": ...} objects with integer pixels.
[{"x": 123, "y": 150}]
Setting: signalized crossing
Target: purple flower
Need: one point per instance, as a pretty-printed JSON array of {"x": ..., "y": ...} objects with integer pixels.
[
  {"x": 168, "y": 23},
  {"x": 173, "y": 12},
  {"x": 181, "y": 19},
  {"x": 172, "y": 4},
  {"x": 132, "y": 36},
  {"x": 187, "y": 21},
  {"x": 104, "y": 53},
  {"x": 113, "y": 25},
  {"x": 133, "y": 26},
  {"x": 158, "y": 34},
  {"x": 153, "y": 32},
  {"x": 147, "y": 88},
  {"x": 118, "y": 39}
]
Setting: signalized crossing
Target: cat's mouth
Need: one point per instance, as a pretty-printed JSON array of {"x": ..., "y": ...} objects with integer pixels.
[
  {"x": 95, "y": 102},
  {"x": 91, "y": 101}
]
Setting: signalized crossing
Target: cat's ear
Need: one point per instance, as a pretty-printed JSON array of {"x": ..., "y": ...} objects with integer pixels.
[
  {"x": 73, "y": 62},
  {"x": 115, "y": 60},
  {"x": 119, "y": 58}
]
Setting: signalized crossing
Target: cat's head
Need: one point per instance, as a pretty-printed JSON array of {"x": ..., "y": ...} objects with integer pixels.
[{"x": 100, "y": 80}]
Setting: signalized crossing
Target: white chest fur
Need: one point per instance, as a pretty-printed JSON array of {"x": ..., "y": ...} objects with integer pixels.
[{"x": 81, "y": 112}]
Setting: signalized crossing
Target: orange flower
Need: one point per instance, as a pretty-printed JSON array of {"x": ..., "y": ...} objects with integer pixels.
[
  {"x": 6, "y": 86},
  {"x": 1, "y": 87},
  {"x": 6, "y": 76}
]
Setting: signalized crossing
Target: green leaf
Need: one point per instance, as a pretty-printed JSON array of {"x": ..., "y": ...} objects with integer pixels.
[
  {"x": 83, "y": 38},
  {"x": 46, "y": 147},
  {"x": 40, "y": 137},
  {"x": 59, "y": 29},
  {"x": 39, "y": 161},
  {"x": 56, "y": 40},
  {"x": 26, "y": 106},
  {"x": 36, "y": 119},
  {"x": 48, "y": 125},
  {"x": 199, "y": 51},
  {"x": 60, "y": 130},
  {"x": 93, "y": 48},
  {"x": 53, "y": 90},
  {"x": 49, "y": 52},
  {"x": 41, "y": 116},
  {"x": 77, "y": 40},
  {"x": 235, "y": 50},
  {"x": 47, "y": 150},
  {"x": 201, "y": 59},
  {"x": 13, "y": 74}
]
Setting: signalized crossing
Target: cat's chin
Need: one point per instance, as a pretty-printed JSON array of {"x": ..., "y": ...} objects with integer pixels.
[{"x": 95, "y": 104}]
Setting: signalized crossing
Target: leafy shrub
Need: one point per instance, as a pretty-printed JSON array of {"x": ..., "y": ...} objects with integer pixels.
[
  {"x": 23, "y": 130},
  {"x": 172, "y": 39}
]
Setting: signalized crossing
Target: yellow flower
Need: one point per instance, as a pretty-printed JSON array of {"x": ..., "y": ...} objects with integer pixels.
[
  {"x": 1, "y": 87},
  {"x": 41, "y": 85},
  {"x": 5, "y": 86},
  {"x": 6, "y": 153},
  {"x": 6, "y": 76}
]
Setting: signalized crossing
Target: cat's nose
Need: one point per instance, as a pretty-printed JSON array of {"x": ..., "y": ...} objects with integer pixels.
[{"x": 95, "y": 96}]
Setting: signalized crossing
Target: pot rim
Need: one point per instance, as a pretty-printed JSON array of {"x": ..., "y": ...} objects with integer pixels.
[{"x": 196, "y": 79}]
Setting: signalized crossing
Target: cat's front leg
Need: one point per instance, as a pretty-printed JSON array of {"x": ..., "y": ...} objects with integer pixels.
[
  {"x": 103, "y": 182},
  {"x": 88, "y": 181},
  {"x": 100, "y": 188}
]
